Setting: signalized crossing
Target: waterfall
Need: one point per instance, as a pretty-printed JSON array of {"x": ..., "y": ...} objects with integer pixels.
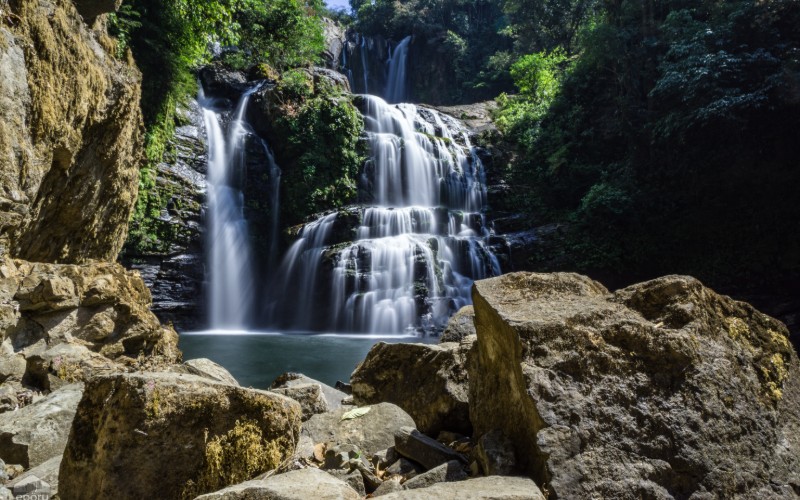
[
  {"x": 230, "y": 285},
  {"x": 418, "y": 244},
  {"x": 396, "y": 81}
]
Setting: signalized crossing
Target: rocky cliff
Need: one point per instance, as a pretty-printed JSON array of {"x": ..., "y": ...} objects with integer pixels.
[{"x": 70, "y": 133}]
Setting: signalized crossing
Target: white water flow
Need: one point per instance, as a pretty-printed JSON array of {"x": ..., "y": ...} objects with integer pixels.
[
  {"x": 416, "y": 250},
  {"x": 396, "y": 80},
  {"x": 230, "y": 285}
]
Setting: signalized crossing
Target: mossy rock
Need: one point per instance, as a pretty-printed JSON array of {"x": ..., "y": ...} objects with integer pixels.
[{"x": 171, "y": 436}]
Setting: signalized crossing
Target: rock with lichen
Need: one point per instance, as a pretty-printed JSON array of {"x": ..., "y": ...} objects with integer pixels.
[
  {"x": 663, "y": 389},
  {"x": 171, "y": 436},
  {"x": 71, "y": 134},
  {"x": 65, "y": 323}
]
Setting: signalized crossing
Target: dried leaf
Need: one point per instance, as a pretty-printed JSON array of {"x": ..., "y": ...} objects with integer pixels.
[{"x": 355, "y": 413}]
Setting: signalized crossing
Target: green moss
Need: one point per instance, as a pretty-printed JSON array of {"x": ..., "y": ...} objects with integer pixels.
[
  {"x": 234, "y": 457},
  {"x": 317, "y": 139}
]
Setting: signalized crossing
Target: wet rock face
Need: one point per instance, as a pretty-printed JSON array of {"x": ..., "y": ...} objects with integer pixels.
[
  {"x": 661, "y": 389},
  {"x": 172, "y": 264},
  {"x": 167, "y": 435},
  {"x": 70, "y": 136}
]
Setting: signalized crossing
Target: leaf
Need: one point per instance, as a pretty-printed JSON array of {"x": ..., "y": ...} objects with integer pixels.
[{"x": 355, "y": 413}]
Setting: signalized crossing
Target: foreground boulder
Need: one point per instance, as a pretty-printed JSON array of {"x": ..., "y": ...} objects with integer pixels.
[
  {"x": 371, "y": 432},
  {"x": 492, "y": 487},
  {"x": 38, "y": 432},
  {"x": 167, "y": 435},
  {"x": 300, "y": 484},
  {"x": 428, "y": 381},
  {"x": 663, "y": 389}
]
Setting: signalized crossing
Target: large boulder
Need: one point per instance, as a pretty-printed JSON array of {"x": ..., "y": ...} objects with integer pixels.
[
  {"x": 371, "y": 432},
  {"x": 167, "y": 435},
  {"x": 38, "y": 432},
  {"x": 299, "y": 484},
  {"x": 489, "y": 488},
  {"x": 71, "y": 133},
  {"x": 428, "y": 381},
  {"x": 663, "y": 389},
  {"x": 65, "y": 323}
]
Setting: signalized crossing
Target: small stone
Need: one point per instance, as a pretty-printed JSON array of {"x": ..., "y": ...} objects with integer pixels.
[
  {"x": 353, "y": 478},
  {"x": 404, "y": 467},
  {"x": 309, "y": 396},
  {"x": 390, "y": 486},
  {"x": 449, "y": 472},
  {"x": 385, "y": 458},
  {"x": 13, "y": 470},
  {"x": 332, "y": 396},
  {"x": 494, "y": 454},
  {"x": 422, "y": 449},
  {"x": 339, "y": 455}
]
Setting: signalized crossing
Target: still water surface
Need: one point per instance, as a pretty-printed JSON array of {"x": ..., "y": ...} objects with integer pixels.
[{"x": 257, "y": 358}]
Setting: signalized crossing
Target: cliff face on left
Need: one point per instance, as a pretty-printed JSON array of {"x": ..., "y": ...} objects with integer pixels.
[
  {"x": 70, "y": 133},
  {"x": 70, "y": 144}
]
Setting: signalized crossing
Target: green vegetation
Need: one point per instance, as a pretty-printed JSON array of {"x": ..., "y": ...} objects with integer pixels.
[
  {"x": 669, "y": 141},
  {"x": 169, "y": 41},
  {"x": 465, "y": 42},
  {"x": 317, "y": 140},
  {"x": 279, "y": 33}
]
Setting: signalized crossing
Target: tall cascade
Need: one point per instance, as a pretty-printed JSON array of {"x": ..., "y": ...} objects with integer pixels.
[
  {"x": 230, "y": 286},
  {"x": 419, "y": 237},
  {"x": 376, "y": 66},
  {"x": 396, "y": 80}
]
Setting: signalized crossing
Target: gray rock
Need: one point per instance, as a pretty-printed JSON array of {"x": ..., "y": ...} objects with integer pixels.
[
  {"x": 339, "y": 455},
  {"x": 460, "y": 326},
  {"x": 65, "y": 364},
  {"x": 8, "y": 396},
  {"x": 404, "y": 467},
  {"x": 300, "y": 484},
  {"x": 424, "y": 450},
  {"x": 90, "y": 9},
  {"x": 6, "y": 494},
  {"x": 663, "y": 389},
  {"x": 371, "y": 433},
  {"x": 449, "y": 472},
  {"x": 353, "y": 478},
  {"x": 38, "y": 432},
  {"x": 494, "y": 453},
  {"x": 385, "y": 458},
  {"x": 220, "y": 81},
  {"x": 389, "y": 486},
  {"x": 430, "y": 382},
  {"x": 333, "y": 397},
  {"x": 308, "y": 395},
  {"x": 488, "y": 488},
  {"x": 206, "y": 368},
  {"x": 168, "y": 435},
  {"x": 47, "y": 472}
]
